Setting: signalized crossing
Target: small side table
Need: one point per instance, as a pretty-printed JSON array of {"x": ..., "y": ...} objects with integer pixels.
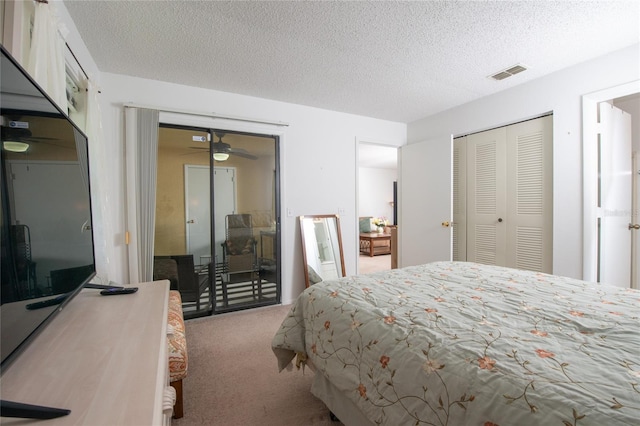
[{"x": 368, "y": 243}]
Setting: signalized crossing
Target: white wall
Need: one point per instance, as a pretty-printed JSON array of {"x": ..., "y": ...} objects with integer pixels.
[
  {"x": 375, "y": 192},
  {"x": 314, "y": 179},
  {"x": 560, "y": 93}
]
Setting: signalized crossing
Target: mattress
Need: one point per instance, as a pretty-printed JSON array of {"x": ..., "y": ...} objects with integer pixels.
[{"x": 461, "y": 343}]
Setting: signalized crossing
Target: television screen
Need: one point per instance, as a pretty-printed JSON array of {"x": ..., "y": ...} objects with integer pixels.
[{"x": 47, "y": 242}]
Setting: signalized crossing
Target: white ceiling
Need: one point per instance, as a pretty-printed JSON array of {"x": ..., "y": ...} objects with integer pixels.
[
  {"x": 377, "y": 156},
  {"x": 392, "y": 60}
]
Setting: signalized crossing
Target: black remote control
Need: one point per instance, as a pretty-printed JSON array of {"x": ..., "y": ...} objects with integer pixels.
[
  {"x": 113, "y": 291},
  {"x": 101, "y": 286},
  {"x": 28, "y": 411}
]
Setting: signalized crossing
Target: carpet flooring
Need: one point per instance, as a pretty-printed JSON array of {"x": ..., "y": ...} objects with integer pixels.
[
  {"x": 367, "y": 265},
  {"x": 233, "y": 377}
]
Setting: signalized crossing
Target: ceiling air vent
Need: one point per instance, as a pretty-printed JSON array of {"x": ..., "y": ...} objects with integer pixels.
[{"x": 501, "y": 75}]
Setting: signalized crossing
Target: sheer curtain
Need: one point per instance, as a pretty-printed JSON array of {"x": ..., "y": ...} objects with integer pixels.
[
  {"x": 46, "y": 56},
  {"x": 141, "y": 136},
  {"x": 97, "y": 168}
]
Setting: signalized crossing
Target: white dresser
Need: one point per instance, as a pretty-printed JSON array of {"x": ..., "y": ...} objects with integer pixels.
[{"x": 103, "y": 357}]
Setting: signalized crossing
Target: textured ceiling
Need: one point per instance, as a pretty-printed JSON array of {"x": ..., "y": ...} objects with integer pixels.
[{"x": 392, "y": 60}]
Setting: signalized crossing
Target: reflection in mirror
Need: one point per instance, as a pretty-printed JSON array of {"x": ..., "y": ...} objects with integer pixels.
[{"x": 321, "y": 248}]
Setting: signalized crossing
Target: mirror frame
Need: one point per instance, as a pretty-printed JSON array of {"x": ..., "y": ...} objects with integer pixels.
[{"x": 304, "y": 249}]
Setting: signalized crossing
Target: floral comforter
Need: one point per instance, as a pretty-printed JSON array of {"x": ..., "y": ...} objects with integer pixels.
[{"x": 455, "y": 343}]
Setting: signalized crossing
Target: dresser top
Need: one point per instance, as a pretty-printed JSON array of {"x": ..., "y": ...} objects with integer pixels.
[{"x": 102, "y": 357}]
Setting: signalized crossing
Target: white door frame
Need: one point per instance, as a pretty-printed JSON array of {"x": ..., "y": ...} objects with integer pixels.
[
  {"x": 615, "y": 212},
  {"x": 635, "y": 204},
  {"x": 364, "y": 141},
  {"x": 590, "y": 103}
]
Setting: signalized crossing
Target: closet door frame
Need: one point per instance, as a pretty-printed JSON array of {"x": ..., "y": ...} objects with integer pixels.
[{"x": 508, "y": 232}]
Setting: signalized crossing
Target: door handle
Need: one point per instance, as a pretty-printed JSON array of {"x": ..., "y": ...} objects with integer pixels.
[
  {"x": 634, "y": 226},
  {"x": 191, "y": 221},
  {"x": 447, "y": 224}
]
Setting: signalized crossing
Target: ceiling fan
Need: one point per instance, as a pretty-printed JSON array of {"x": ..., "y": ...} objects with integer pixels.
[
  {"x": 16, "y": 136},
  {"x": 222, "y": 150}
]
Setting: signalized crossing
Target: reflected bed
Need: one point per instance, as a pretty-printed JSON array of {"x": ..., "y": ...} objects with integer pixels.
[{"x": 461, "y": 343}]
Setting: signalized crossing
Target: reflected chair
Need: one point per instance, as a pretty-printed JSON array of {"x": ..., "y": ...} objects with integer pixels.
[
  {"x": 166, "y": 268},
  {"x": 239, "y": 254},
  {"x": 25, "y": 267},
  {"x": 190, "y": 283}
]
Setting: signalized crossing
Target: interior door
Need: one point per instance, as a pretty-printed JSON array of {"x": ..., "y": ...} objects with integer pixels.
[
  {"x": 198, "y": 215},
  {"x": 615, "y": 213},
  {"x": 529, "y": 221},
  {"x": 486, "y": 197},
  {"x": 197, "y": 206},
  {"x": 425, "y": 199}
]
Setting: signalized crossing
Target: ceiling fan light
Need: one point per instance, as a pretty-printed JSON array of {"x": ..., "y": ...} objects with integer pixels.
[
  {"x": 15, "y": 146},
  {"x": 220, "y": 156}
]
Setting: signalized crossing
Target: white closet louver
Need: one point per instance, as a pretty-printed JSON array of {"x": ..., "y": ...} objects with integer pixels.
[
  {"x": 486, "y": 244},
  {"x": 457, "y": 195},
  {"x": 486, "y": 178},
  {"x": 485, "y": 201},
  {"x": 530, "y": 174},
  {"x": 529, "y": 246},
  {"x": 529, "y": 200}
]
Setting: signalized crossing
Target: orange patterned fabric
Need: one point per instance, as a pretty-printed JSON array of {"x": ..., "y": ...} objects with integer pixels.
[{"x": 177, "y": 343}]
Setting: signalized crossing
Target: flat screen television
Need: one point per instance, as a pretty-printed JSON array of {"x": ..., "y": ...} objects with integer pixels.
[{"x": 47, "y": 239}]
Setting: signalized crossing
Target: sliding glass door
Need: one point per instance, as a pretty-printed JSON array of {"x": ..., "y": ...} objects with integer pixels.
[{"x": 217, "y": 226}]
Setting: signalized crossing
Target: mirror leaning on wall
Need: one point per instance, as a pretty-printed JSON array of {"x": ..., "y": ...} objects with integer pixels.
[{"x": 321, "y": 248}]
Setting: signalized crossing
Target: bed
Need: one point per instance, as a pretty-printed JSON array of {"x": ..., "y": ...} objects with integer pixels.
[{"x": 457, "y": 343}]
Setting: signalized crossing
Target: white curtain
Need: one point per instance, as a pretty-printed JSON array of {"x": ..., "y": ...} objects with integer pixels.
[
  {"x": 101, "y": 204},
  {"x": 141, "y": 136},
  {"x": 46, "y": 56}
]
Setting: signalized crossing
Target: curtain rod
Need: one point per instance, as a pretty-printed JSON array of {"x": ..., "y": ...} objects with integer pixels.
[{"x": 211, "y": 115}]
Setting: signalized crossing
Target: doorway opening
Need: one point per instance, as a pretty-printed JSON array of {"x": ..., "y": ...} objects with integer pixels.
[
  {"x": 217, "y": 228},
  {"x": 610, "y": 144},
  {"x": 377, "y": 205}
]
